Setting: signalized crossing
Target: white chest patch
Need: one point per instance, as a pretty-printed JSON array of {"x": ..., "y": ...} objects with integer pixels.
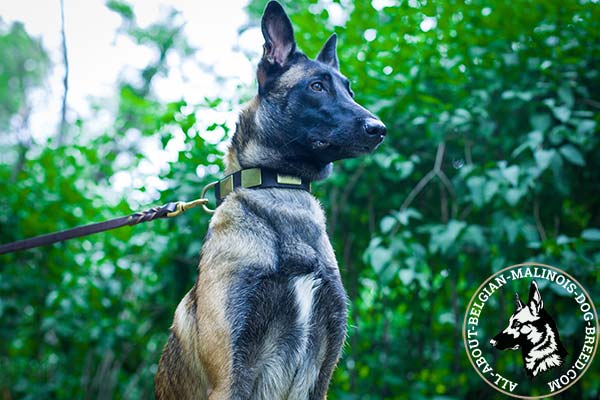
[{"x": 304, "y": 288}]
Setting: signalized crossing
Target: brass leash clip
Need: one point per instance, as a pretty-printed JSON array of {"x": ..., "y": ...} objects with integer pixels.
[{"x": 182, "y": 206}]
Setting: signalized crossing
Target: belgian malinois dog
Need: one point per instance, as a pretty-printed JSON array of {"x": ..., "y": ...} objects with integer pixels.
[{"x": 266, "y": 318}]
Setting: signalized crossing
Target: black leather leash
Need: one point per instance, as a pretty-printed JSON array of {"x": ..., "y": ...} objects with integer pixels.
[
  {"x": 167, "y": 211},
  {"x": 252, "y": 178}
]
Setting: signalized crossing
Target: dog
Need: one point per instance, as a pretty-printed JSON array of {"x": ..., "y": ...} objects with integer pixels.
[
  {"x": 534, "y": 331},
  {"x": 266, "y": 317}
]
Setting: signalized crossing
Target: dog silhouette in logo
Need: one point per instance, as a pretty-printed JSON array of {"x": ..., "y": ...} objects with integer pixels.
[{"x": 531, "y": 329}]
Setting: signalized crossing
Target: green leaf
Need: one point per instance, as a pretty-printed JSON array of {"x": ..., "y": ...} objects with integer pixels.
[
  {"x": 490, "y": 189},
  {"x": 566, "y": 95},
  {"x": 561, "y": 240},
  {"x": 474, "y": 235},
  {"x": 444, "y": 236},
  {"x": 380, "y": 257},
  {"x": 540, "y": 122},
  {"x": 406, "y": 276},
  {"x": 404, "y": 216},
  {"x": 475, "y": 185},
  {"x": 387, "y": 224},
  {"x": 562, "y": 113},
  {"x": 558, "y": 134},
  {"x": 383, "y": 160},
  {"x": 121, "y": 8},
  {"x": 511, "y": 227},
  {"x": 405, "y": 168},
  {"x": 591, "y": 234},
  {"x": 543, "y": 157},
  {"x": 586, "y": 126},
  {"x": 573, "y": 155},
  {"x": 513, "y": 196},
  {"x": 511, "y": 174},
  {"x": 533, "y": 141}
]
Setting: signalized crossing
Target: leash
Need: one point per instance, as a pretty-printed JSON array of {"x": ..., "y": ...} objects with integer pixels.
[
  {"x": 168, "y": 210},
  {"x": 252, "y": 178}
]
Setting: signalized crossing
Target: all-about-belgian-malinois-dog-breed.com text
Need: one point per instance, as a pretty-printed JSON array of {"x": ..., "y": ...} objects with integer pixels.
[{"x": 266, "y": 318}]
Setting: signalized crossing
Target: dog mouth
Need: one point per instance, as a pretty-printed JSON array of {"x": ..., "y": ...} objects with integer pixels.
[
  {"x": 370, "y": 144},
  {"x": 330, "y": 149},
  {"x": 373, "y": 142}
]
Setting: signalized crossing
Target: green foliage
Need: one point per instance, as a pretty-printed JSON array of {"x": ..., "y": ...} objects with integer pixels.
[
  {"x": 88, "y": 318},
  {"x": 491, "y": 160},
  {"x": 24, "y": 66}
]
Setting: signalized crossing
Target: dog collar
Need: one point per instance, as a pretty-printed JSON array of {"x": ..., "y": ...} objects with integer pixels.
[{"x": 257, "y": 178}]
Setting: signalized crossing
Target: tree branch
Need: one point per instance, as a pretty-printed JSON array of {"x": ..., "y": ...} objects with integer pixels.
[
  {"x": 448, "y": 185},
  {"x": 468, "y": 157},
  {"x": 437, "y": 165},
  {"x": 592, "y": 102},
  {"x": 63, "y": 114},
  {"x": 439, "y": 156},
  {"x": 417, "y": 189},
  {"x": 443, "y": 203}
]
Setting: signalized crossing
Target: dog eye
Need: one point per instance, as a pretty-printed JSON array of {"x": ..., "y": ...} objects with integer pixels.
[{"x": 317, "y": 86}]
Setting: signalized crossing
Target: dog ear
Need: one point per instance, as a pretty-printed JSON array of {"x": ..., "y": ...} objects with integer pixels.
[
  {"x": 518, "y": 302},
  {"x": 535, "y": 299},
  {"x": 328, "y": 54},
  {"x": 279, "y": 35}
]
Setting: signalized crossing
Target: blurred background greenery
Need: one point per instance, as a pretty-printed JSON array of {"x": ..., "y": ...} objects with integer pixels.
[{"x": 492, "y": 159}]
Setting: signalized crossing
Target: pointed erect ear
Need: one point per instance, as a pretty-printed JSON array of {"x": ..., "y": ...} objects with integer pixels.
[
  {"x": 518, "y": 302},
  {"x": 279, "y": 35},
  {"x": 535, "y": 299},
  {"x": 328, "y": 54}
]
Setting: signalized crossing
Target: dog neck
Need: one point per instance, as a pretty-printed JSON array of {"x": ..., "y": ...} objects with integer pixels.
[
  {"x": 258, "y": 178},
  {"x": 250, "y": 148}
]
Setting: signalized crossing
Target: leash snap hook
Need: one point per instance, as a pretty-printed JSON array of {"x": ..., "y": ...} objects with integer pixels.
[{"x": 182, "y": 206}]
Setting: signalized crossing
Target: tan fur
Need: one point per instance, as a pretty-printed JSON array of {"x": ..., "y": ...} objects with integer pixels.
[
  {"x": 246, "y": 118},
  {"x": 232, "y": 163},
  {"x": 292, "y": 76},
  {"x": 204, "y": 337}
]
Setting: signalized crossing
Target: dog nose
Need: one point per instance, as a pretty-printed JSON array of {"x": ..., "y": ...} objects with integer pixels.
[
  {"x": 493, "y": 342},
  {"x": 375, "y": 127}
]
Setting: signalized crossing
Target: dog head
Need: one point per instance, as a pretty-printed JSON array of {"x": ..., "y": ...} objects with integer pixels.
[
  {"x": 525, "y": 325},
  {"x": 304, "y": 116}
]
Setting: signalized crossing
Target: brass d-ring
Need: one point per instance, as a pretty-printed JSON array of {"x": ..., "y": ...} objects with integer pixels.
[{"x": 204, "y": 190}]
